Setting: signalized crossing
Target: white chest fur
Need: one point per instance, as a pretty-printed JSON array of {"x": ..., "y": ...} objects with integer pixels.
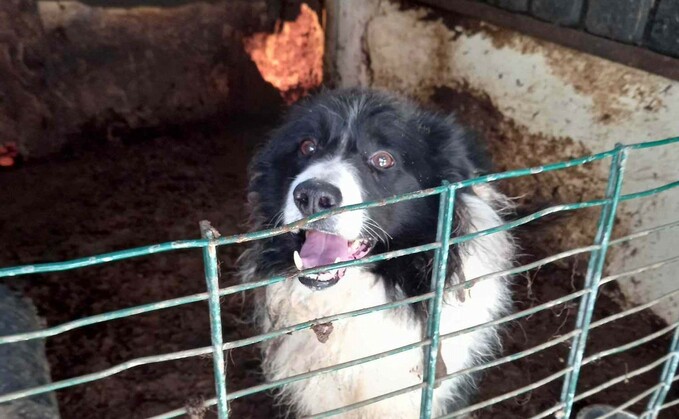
[{"x": 289, "y": 303}]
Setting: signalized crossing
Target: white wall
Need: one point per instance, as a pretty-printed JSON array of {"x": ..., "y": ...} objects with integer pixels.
[{"x": 548, "y": 90}]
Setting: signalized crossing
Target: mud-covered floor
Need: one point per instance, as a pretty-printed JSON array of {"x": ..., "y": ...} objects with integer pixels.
[{"x": 114, "y": 196}]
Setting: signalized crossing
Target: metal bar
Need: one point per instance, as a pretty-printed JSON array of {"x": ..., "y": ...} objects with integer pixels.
[
  {"x": 517, "y": 315},
  {"x": 246, "y": 237},
  {"x": 507, "y": 395},
  {"x": 594, "y": 272},
  {"x": 438, "y": 283},
  {"x": 471, "y": 282},
  {"x": 652, "y": 144},
  {"x": 87, "y": 378},
  {"x": 621, "y": 378},
  {"x": 633, "y": 344},
  {"x": 206, "y": 350},
  {"x": 366, "y": 402},
  {"x": 510, "y": 358},
  {"x": 164, "y": 247},
  {"x": 146, "y": 308},
  {"x": 640, "y": 269},
  {"x": 117, "y": 314},
  {"x": 633, "y": 310},
  {"x": 99, "y": 259},
  {"x": 212, "y": 280},
  {"x": 259, "y": 338},
  {"x": 630, "y": 402},
  {"x": 666, "y": 378},
  {"x": 283, "y": 381},
  {"x": 500, "y": 361},
  {"x": 506, "y": 319},
  {"x": 604, "y": 386},
  {"x": 669, "y": 404},
  {"x": 644, "y": 233}
]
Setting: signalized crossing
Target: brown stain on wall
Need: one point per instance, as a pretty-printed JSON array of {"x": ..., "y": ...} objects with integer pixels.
[
  {"x": 617, "y": 91},
  {"x": 512, "y": 146}
]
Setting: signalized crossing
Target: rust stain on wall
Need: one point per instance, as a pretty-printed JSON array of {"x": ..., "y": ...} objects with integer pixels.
[
  {"x": 513, "y": 146},
  {"x": 617, "y": 91},
  {"x": 291, "y": 58}
]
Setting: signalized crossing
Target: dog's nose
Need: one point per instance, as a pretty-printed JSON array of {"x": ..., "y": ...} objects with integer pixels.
[{"x": 313, "y": 195}]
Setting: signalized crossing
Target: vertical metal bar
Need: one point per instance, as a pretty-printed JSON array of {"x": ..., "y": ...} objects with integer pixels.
[
  {"x": 594, "y": 271},
  {"x": 212, "y": 279},
  {"x": 438, "y": 281},
  {"x": 666, "y": 377}
]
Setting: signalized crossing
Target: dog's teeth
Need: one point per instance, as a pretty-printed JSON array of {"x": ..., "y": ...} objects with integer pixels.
[
  {"x": 337, "y": 260},
  {"x": 355, "y": 245},
  {"x": 298, "y": 260},
  {"x": 295, "y": 231}
]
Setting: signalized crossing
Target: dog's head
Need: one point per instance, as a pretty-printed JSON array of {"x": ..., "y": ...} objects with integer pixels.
[{"x": 346, "y": 147}]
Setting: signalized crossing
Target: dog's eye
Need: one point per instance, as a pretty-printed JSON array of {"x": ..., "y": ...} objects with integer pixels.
[
  {"x": 382, "y": 160},
  {"x": 307, "y": 147}
]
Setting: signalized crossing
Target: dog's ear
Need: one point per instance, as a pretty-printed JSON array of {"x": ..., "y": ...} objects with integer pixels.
[
  {"x": 458, "y": 152},
  {"x": 458, "y": 155},
  {"x": 267, "y": 173}
]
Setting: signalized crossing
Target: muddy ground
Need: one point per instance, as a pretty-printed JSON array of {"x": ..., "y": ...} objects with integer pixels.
[{"x": 154, "y": 188}]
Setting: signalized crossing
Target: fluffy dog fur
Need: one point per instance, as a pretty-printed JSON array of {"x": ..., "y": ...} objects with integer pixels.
[{"x": 348, "y": 127}]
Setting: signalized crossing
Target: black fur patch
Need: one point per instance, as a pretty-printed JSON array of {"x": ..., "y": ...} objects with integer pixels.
[{"x": 353, "y": 124}]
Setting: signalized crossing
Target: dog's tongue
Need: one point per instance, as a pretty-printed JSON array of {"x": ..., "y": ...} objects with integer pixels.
[{"x": 323, "y": 249}]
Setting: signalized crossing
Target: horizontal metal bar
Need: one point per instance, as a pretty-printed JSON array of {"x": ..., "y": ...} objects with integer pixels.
[
  {"x": 146, "y": 308},
  {"x": 299, "y": 377},
  {"x": 641, "y": 269},
  {"x": 507, "y": 395},
  {"x": 669, "y": 404},
  {"x": 547, "y": 412},
  {"x": 500, "y": 361},
  {"x": 440, "y": 380},
  {"x": 644, "y": 233},
  {"x": 518, "y": 315},
  {"x": 621, "y": 378},
  {"x": 243, "y": 342},
  {"x": 322, "y": 215},
  {"x": 366, "y": 402},
  {"x": 327, "y": 319},
  {"x": 196, "y": 297},
  {"x": 104, "y": 317},
  {"x": 652, "y": 144},
  {"x": 87, "y": 378},
  {"x": 633, "y": 310},
  {"x": 509, "y": 358},
  {"x": 259, "y": 338},
  {"x": 633, "y": 344},
  {"x": 471, "y": 282},
  {"x": 630, "y": 402},
  {"x": 604, "y": 386},
  {"x": 527, "y": 219},
  {"x": 246, "y": 237},
  {"x": 183, "y": 411},
  {"x": 346, "y": 264},
  {"x": 103, "y": 258}
]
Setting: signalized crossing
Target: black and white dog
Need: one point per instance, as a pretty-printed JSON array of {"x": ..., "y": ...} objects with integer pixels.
[{"x": 346, "y": 147}]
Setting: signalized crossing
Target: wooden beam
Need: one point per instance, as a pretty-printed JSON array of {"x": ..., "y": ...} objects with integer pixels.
[{"x": 629, "y": 55}]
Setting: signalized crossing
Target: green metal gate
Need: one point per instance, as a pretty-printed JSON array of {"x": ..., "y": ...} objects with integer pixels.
[{"x": 594, "y": 279}]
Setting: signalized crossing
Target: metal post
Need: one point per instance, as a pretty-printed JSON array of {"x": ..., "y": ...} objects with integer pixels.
[
  {"x": 594, "y": 271},
  {"x": 438, "y": 281},
  {"x": 666, "y": 378},
  {"x": 212, "y": 279}
]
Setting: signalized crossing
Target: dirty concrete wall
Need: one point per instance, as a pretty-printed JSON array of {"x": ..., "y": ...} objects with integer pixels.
[
  {"x": 73, "y": 70},
  {"x": 536, "y": 103}
]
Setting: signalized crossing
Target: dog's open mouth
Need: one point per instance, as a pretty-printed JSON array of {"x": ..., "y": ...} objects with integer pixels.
[{"x": 322, "y": 248}]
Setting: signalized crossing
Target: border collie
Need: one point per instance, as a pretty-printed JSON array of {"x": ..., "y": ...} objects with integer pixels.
[{"x": 345, "y": 147}]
